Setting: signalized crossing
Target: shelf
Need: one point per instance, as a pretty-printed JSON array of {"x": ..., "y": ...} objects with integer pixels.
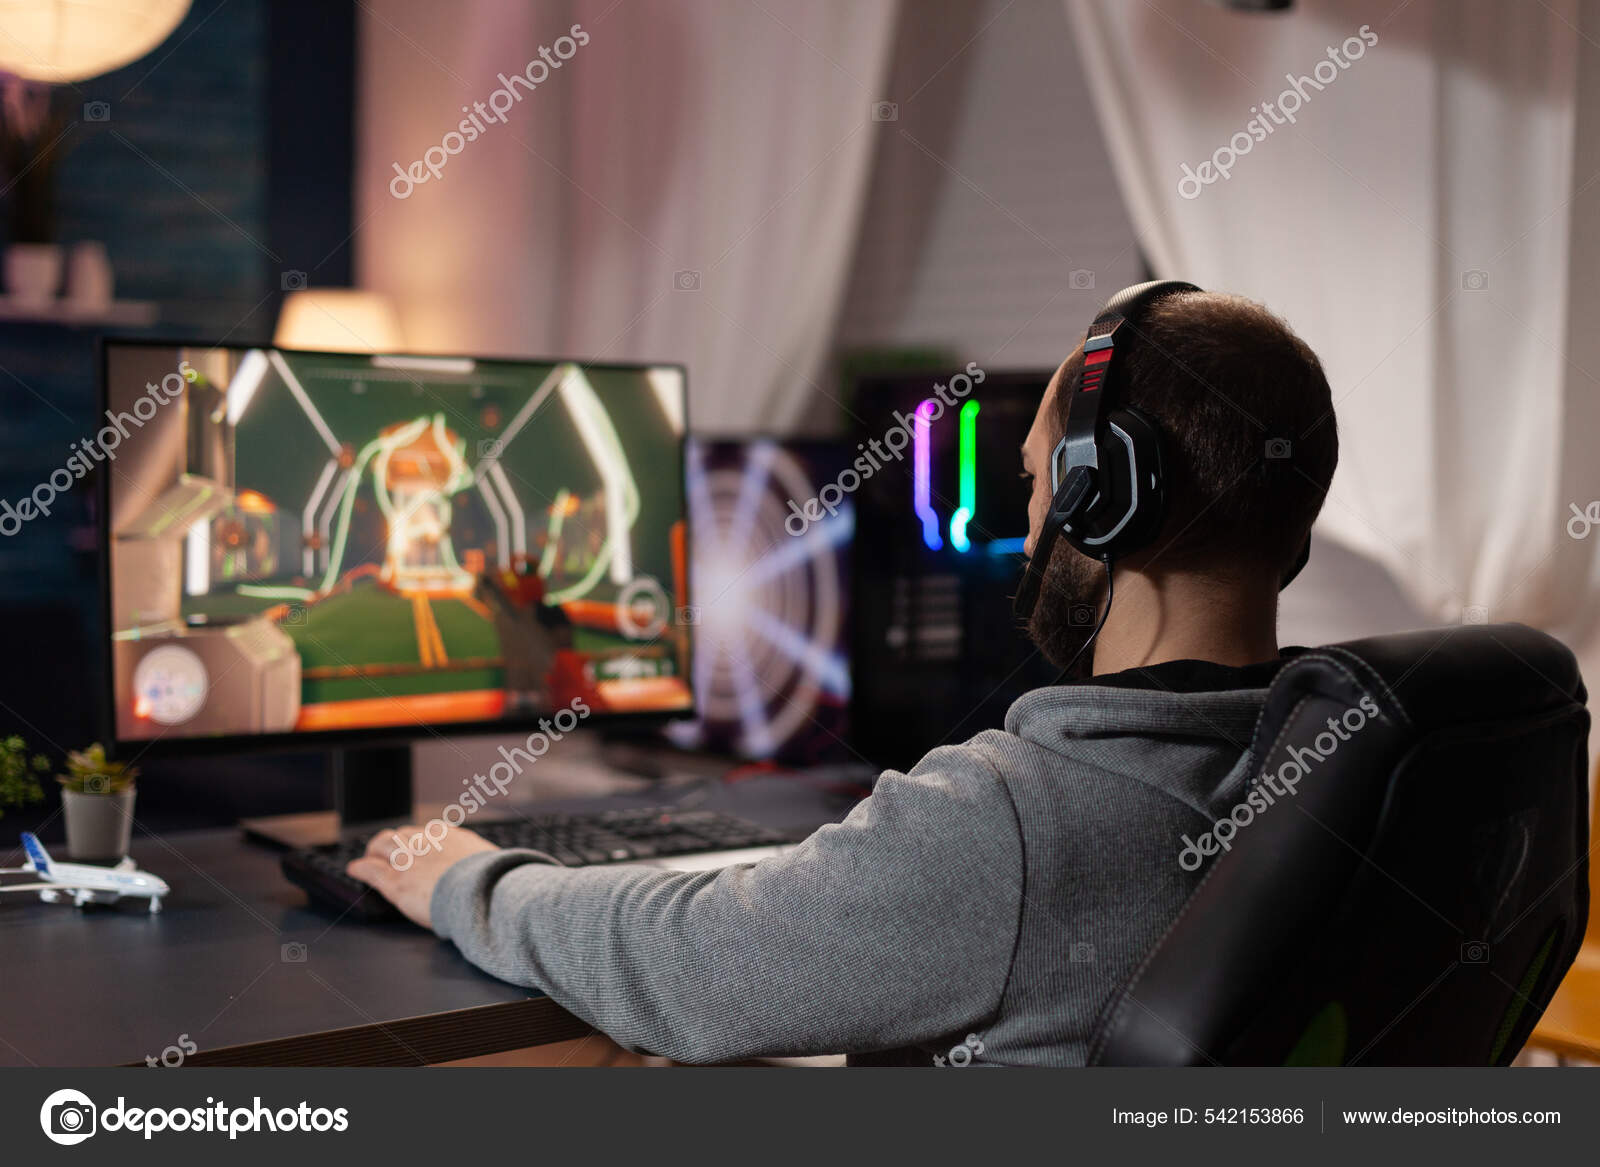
[{"x": 119, "y": 313}]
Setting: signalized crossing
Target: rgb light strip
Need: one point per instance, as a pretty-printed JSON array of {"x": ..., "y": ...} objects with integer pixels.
[
  {"x": 966, "y": 510},
  {"x": 921, "y": 484},
  {"x": 969, "y": 475}
]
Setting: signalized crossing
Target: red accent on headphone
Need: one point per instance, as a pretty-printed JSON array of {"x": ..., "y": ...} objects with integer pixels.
[{"x": 1094, "y": 370}]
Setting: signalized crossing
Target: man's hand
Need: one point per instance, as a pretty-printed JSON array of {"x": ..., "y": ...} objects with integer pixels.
[{"x": 403, "y": 864}]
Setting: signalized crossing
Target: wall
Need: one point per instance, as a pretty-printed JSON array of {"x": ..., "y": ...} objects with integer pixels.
[
  {"x": 990, "y": 189},
  {"x": 174, "y": 181}
]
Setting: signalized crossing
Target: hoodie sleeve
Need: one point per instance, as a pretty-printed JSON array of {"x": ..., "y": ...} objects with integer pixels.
[{"x": 892, "y": 928}]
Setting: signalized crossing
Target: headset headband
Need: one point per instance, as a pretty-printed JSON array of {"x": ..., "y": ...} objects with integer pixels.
[
  {"x": 1093, "y": 388},
  {"x": 1093, "y": 393}
]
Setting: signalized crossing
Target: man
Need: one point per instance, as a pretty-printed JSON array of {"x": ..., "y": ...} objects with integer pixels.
[{"x": 994, "y": 899}]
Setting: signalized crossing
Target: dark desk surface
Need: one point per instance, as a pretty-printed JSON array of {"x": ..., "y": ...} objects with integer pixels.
[{"x": 240, "y": 967}]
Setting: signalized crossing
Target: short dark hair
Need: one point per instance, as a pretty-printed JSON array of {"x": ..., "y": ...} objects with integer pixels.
[{"x": 1251, "y": 442}]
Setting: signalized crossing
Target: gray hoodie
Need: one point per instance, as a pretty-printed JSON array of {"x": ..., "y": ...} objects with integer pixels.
[{"x": 981, "y": 909}]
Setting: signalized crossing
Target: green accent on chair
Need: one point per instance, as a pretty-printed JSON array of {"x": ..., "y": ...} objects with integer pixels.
[
  {"x": 1324, "y": 1041},
  {"x": 1529, "y": 980}
]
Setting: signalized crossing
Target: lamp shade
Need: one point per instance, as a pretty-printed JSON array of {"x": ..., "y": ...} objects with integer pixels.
[
  {"x": 339, "y": 320},
  {"x": 73, "y": 40}
]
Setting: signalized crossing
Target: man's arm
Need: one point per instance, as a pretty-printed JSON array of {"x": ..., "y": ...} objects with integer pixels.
[{"x": 891, "y": 928}]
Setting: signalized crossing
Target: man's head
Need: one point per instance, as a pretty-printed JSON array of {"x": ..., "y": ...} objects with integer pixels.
[{"x": 1250, "y": 450}]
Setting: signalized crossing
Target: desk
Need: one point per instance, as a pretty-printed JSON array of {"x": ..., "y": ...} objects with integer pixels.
[{"x": 239, "y": 964}]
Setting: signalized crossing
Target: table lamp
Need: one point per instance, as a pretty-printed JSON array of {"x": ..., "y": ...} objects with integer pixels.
[{"x": 339, "y": 320}]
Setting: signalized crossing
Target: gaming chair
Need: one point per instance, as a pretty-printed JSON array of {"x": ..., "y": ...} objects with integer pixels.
[{"x": 1418, "y": 898}]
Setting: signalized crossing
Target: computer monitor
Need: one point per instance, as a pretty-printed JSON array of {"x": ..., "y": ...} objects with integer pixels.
[
  {"x": 940, "y": 526},
  {"x": 330, "y": 548},
  {"x": 772, "y": 588}
]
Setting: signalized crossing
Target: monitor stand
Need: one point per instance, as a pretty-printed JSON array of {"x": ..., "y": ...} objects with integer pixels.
[{"x": 371, "y": 789}]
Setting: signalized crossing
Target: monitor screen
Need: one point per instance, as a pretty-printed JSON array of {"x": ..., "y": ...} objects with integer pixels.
[
  {"x": 772, "y": 600},
  {"x": 333, "y": 543},
  {"x": 940, "y": 526}
]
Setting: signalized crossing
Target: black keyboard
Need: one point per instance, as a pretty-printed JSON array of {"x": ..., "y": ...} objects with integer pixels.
[{"x": 613, "y": 836}]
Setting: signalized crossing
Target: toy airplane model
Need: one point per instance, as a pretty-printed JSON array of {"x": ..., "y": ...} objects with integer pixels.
[{"x": 81, "y": 882}]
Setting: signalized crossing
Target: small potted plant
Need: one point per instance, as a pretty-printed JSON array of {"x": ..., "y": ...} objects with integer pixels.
[
  {"x": 19, "y": 774},
  {"x": 97, "y": 796}
]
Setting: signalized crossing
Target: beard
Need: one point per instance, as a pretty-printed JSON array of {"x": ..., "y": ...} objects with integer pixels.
[{"x": 1067, "y": 610}]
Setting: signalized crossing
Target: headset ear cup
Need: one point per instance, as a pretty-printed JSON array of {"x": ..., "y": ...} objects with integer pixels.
[
  {"x": 1135, "y": 460},
  {"x": 1122, "y": 446}
]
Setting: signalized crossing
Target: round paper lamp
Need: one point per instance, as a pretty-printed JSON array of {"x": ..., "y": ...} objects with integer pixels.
[{"x": 73, "y": 40}]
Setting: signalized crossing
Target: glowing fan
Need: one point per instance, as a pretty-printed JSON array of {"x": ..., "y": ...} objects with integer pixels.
[{"x": 771, "y": 676}]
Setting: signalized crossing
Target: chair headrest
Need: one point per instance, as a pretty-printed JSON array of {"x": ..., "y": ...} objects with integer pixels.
[{"x": 1443, "y": 676}]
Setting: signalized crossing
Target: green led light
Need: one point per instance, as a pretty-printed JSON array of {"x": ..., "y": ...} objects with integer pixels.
[{"x": 969, "y": 478}]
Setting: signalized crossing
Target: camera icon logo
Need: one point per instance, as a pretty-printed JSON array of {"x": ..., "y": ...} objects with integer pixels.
[
  {"x": 295, "y": 616},
  {"x": 686, "y": 280},
  {"x": 490, "y": 449},
  {"x": 1081, "y": 615},
  {"x": 293, "y": 280},
  {"x": 1081, "y": 953},
  {"x": 1475, "y": 952},
  {"x": 689, "y": 614},
  {"x": 1474, "y": 614},
  {"x": 293, "y": 952},
  {"x": 67, "y": 1117},
  {"x": 97, "y": 111},
  {"x": 1278, "y": 449},
  {"x": 886, "y": 111},
  {"x": 1475, "y": 280},
  {"x": 1080, "y": 279}
]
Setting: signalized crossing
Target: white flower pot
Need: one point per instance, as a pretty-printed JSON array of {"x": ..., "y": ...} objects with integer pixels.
[
  {"x": 90, "y": 283},
  {"x": 99, "y": 826},
  {"x": 33, "y": 272}
]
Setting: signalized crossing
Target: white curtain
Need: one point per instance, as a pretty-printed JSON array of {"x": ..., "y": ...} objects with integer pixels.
[
  {"x": 1428, "y": 223},
  {"x": 685, "y": 186}
]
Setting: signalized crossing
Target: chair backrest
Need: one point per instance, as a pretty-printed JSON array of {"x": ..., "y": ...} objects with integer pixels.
[
  {"x": 1416, "y": 887},
  {"x": 1592, "y": 936}
]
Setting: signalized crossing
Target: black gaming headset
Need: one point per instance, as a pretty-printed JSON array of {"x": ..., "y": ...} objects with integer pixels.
[{"x": 1107, "y": 479}]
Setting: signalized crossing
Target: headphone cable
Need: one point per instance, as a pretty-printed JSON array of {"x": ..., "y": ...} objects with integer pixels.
[{"x": 1110, "y": 592}]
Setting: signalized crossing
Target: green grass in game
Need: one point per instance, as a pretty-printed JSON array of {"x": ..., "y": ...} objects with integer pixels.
[{"x": 370, "y": 626}]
